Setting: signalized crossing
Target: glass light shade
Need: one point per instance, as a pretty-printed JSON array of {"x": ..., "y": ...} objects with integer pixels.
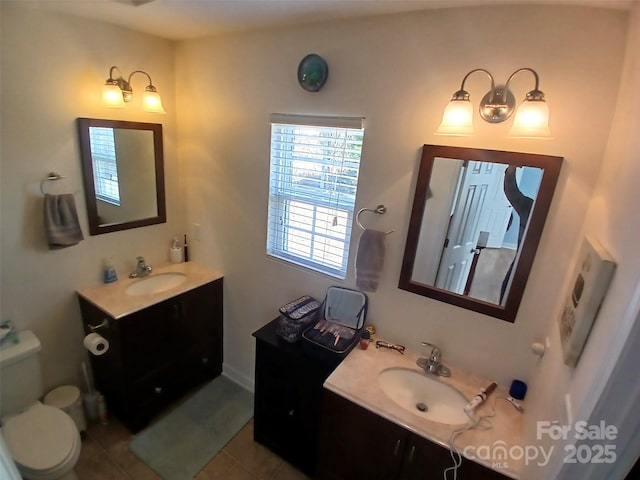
[
  {"x": 531, "y": 120},
  {"x": 112, "y": 96},
  {"x": 152, "y": 103},
  {"x": 457, "y": 118}
]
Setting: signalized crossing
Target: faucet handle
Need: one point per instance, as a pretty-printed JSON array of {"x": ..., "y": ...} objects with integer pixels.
[
  {"x": 427, "y": 344},
  {"x": 139, "y": 259},
  {"x": 435, "y": 350}
]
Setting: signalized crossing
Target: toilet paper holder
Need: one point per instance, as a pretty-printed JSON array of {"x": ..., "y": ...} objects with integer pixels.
[{"x": 103, "y": 324}]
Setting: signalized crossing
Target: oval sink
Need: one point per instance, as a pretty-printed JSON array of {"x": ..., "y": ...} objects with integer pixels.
[
  {"x": 156, "y": 283},
  {"x": 424, "y": 396}
]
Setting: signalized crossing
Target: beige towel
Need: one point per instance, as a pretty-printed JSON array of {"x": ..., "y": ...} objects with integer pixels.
[
  {"x": 61, "y": 221},
  {"x": 370, "y": 259}
]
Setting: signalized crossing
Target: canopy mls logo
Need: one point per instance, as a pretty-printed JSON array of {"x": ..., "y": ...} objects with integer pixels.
[{"x": 584, "y": 443}]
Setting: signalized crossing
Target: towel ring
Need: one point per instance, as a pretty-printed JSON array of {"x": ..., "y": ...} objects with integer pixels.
[
  {"x": 380, "y": 209},
  {"x": 51, "y": 177}
]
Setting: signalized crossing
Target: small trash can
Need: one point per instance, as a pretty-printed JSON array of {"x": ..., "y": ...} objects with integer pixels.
[{"x": 68, "y": 399}]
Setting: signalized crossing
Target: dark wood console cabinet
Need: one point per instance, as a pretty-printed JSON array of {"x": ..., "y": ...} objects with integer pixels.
[
  {"x": 288, "y": 396},
  {"x": 157, "y": 354},
  {"x": 356, "y": 443}
]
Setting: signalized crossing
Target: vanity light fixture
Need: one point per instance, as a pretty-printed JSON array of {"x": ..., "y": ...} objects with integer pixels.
[
  {"x": 531, "y": 119},
  {"x": 117, "y": 91}
]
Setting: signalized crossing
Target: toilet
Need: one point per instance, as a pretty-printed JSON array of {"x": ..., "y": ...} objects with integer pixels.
[{"x": 43, "y": 440}]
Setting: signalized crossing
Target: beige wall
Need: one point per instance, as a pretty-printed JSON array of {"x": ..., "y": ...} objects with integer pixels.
[
  {"x": 53, "y": 69},
  {"x": 398, "y": 72},
  {"x": 613, "y": 220}
]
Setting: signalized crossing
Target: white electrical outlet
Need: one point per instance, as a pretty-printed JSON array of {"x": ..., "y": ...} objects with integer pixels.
[{"x": 196, "y": 231}]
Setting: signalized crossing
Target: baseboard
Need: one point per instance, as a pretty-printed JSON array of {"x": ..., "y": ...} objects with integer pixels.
[{"x": 238, "y": 377}]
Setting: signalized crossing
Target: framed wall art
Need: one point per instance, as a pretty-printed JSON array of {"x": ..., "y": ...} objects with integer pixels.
[{"x": 591, "y": 279}]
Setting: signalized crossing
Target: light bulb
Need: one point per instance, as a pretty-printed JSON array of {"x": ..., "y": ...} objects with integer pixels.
[
  {"x": 457, "y": 119},
  {"x": 531, "y": 120},
  {"x": 112, "y": 96},
  {"x": 151, "y": 102}
]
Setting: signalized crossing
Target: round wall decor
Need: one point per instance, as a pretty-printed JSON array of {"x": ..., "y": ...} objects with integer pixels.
[{"x": 312, "y": 72}]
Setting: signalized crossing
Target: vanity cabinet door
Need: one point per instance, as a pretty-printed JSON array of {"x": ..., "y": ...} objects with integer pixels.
[
  {"x": 424, "y": 460},
  {"x": 197, "y": 332},
  {"x": 355, "y": 443}
]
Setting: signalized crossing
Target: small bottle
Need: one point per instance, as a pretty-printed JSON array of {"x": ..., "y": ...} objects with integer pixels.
[
  {"x": 186, "y": 249},
  {"x": 109, "y": 272},
  {"x": 365, "y": 338}
]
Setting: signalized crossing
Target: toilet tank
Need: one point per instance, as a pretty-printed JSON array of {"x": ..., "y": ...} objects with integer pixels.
[{"x": 20, "y": 373}]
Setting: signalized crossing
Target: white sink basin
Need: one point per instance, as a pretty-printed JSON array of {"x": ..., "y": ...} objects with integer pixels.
[
  {"x": 415, "y": 391},
  {"x": 156, "y": 283}
]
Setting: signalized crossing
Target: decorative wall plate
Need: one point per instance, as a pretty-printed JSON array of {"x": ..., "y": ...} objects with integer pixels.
[{"x": 312, "y": 72}]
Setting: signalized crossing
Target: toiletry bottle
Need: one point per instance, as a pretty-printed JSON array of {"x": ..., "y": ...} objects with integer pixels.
[
  {"x": 175, "y": 252},
  {"x": 186, "y": 249},
  {"x": 109, "y": 273}
]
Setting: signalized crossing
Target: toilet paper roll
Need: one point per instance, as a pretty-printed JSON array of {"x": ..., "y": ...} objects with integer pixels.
[{"x": 96, "y": 344}]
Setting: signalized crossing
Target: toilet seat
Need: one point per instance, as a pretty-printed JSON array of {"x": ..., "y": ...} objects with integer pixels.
[{"x": 43, "y": 441}]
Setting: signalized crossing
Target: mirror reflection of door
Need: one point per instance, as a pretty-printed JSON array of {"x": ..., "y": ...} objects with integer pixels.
[
  {"x": 478, "y": 206},
  {"x": 482, "y": 228}
]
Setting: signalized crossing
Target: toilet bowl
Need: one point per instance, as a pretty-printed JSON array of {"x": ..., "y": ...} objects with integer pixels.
[{"x": 43, "y": 441}]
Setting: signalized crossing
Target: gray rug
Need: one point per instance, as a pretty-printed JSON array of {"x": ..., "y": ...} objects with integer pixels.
[{"x": 179, "y": 445}]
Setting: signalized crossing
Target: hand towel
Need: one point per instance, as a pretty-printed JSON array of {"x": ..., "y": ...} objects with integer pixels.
[
  {"x": 370, "y": 259},
  {"x": 61, "y": 221}
]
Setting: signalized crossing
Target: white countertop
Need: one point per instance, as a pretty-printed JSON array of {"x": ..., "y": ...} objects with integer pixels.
[
  {"x": 112, "y": 299},
  {"x": 356, "y": 379}
]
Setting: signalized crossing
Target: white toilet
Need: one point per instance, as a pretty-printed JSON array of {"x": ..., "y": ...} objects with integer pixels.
[{"x": 43, "y": 440}]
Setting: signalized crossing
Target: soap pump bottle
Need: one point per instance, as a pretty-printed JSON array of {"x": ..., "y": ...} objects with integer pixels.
[
  {"x": 186, "y": 249},
  {"x": 175, "y": 252},
  {"x": 109, "y": 273}
]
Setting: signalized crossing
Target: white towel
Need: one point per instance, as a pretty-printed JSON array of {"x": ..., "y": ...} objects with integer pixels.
[
  {"x": 370, "y": 259},
  {"x": 61, "y": 221}
]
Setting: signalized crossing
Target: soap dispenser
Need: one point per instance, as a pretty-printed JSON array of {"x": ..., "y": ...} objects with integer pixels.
[
  {"x": 109, "y": 272},
  {"x": 175, "y": 253}
]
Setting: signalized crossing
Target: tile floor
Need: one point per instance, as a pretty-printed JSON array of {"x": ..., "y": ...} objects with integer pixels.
[{"x": 105, "y": 455}]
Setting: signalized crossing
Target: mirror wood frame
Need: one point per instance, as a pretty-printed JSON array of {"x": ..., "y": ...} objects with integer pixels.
[
  {"x": 551, "y": 169},
  {"x": 95, "y": 228}
]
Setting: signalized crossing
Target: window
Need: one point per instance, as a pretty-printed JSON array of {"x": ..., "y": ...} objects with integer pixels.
[
  {"x": 105, "y": 169},
  {"x": 312, "y": 190}
]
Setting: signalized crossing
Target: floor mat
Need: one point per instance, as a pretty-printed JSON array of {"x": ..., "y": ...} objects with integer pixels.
[{"x": 179, "y": 445}]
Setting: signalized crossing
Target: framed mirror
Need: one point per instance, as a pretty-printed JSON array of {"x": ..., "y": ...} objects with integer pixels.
[
  {"x": 123, "y": 170},
  {"x": 476, "y": 221}
]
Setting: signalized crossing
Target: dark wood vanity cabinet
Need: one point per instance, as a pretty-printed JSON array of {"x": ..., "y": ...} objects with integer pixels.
[
  {"x": 288, "y": 396},
  {"x": 356, "y": 443},
  {"x": 157, "y": 354}
]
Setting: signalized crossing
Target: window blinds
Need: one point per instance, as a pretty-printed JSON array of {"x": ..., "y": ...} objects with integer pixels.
[{"x": 315, "y": 163}]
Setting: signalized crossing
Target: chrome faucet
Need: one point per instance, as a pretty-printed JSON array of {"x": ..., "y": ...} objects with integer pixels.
[
  {"x": 432, "y": 365},
  {"x": 142, "y": 269}
]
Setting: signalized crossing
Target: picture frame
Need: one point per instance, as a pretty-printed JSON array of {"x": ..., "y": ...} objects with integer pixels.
[{"x": 591, "y": 278}]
